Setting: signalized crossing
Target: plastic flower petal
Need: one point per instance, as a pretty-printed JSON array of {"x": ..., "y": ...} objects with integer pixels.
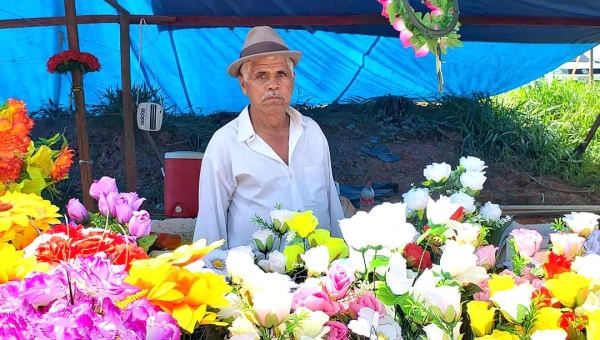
[
  {"x": 303, "y": 223},
  {"x": 187, "y": 254},
  {"x": 14, "y": 265},
  {"x": 569, "y": 288},
  {"x": 482, "y": 317}
]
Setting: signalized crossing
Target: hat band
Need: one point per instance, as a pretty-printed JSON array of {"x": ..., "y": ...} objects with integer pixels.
[{"x": 262, "y": 47}]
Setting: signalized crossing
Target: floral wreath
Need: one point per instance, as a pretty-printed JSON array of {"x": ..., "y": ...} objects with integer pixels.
[
  {"x": 67, "y": 61},
  {"x": 435, "y": 31}
]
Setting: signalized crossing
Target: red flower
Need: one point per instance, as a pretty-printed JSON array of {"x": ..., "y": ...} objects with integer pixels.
[
  {"x": 417, "y": 257},
  {"x": 68, "y": 60},
  {"x": 543, "y": 298},
  {"x": 557, "y": 264},
  {"x": 572, "y": 323}
]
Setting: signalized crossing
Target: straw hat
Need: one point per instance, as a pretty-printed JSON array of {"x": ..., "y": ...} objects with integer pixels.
[{"x": 262, "y": 41}]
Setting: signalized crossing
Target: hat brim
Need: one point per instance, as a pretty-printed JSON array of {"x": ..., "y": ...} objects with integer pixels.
[{"x": 234, "y": 68}]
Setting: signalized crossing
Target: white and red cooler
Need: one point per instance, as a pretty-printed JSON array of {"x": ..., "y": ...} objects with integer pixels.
[{"x": 182, "y": 175}]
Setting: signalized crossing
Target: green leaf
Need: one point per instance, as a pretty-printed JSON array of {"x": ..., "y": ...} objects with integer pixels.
[
  {"x": 470, "y": 290},
  {"x": 385, "y": 295},
  {"x": 379, "y": 261},
  {"x": 146, "y": 241}
]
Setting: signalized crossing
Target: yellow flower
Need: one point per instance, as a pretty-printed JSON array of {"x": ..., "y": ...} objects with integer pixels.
[
  {"x": 303, "y": 223},
  {"x": 593, "y": 327},
  {"x": 337, "y": 247},
  {"x": 187, "y": 254},
  {"x": 499, "y": 335},
  {"x": 292, "y": 255},
  {"x": 179, "y": 292},
  {"x": 571, "y": 289},
  {"x": 14, "y": 264},
  {"x": 25, "y": 216},
  {"x": 481, "y": 316},
  {"x": 500, "y": 282},
  {"x": 546, "y": 318},
  {"x": 41, "y": 159}
]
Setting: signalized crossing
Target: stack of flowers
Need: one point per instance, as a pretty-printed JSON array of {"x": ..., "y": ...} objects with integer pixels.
[{"x": 67, "y": 61}]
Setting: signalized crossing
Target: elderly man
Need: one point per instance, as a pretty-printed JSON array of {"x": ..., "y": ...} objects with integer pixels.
[{"x": 270, "y": 154}]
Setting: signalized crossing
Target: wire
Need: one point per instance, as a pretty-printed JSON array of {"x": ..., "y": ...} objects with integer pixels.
[{"x": 140, "y": 48}]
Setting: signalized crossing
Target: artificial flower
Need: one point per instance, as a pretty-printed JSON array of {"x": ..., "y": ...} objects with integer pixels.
[
  {"x": 499, "y": 283},
  {"x": 312, "y": 324},
  {"x": 315, "y": 299},
  {"x": 371, "y": 325},
  {"x": 569, "y": 288},
  {"x": 473, "y": 180},
  {"x": 337, "y": 330},
  {"x": 588, "y": 266},
  {"x": 15, "y": 265},
  {"x": 303, "y": 223},
  {"x": 593, "y": 327},
  {"x": 316, "y": 260},
  {"x": 567, "y": 244},
  {"x": 280, "y": 218},
  {"x": 499, "y": 335},
  {"x": 399, "y": 279},
  {"x": 555, "y": 265},
  {"x": 215, "y": 261},
  {"x": 67, "y": 61},
  {"x": 460, "y": 262},
  {"x": 292, "y": 256},
  {"x": 272, "y": 308},
  {"x": 547, "y": 318},
  {"x": 417, "y": 258},
  {"x": 549, "y": 334},
  {"x": 491, "y": 211},
  {"x": 338, "y": 280},
  {"x": 437, "y": 172},
  {"x": 77, "y": 212},
  {"x": 102, "y": 187},
  {"x": 486, "y": 256},
  {"x": 15, "y": 126},
  {"x": 62, "y": 164},
  {"x": 442, "y": 210},
  {"x": 367, "y": 300},
  {"x": 416, "y": 199},
  {"x": 581, "y": 223},
  {"x": 470, "y": 163},
  {"x": 434, "y": 332},
  {"x": 528, "y": 241},
  {"x": 187, "y": 254},
  {"x": 481, "y": 316},
  {"x": 465, "y": 200},
  {"x": 139, "y": 224},
  {"x": 514, "y": 302},
  {"x": 275, "y": 262},
  {"x": 264, "y": 239}
]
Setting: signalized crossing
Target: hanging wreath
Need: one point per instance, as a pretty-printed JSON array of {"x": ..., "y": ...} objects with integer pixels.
[
  {"x": 67, "y": 61},
  {"x": 435, "y": 31}
]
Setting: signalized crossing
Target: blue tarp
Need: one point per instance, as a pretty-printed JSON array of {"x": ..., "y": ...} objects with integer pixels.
[{"x": 339, "y": 63}]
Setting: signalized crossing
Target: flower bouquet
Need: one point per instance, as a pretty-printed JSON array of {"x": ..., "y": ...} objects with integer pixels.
[{"x": 67, "y": 61}]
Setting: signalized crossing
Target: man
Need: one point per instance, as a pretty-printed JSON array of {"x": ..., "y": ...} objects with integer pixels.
[{"x": 270, "y": 154}]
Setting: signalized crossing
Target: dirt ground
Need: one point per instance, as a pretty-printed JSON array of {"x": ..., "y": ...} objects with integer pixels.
[{"x": 349, "y": 145}]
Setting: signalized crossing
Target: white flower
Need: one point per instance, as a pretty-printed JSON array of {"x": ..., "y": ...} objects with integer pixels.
[
  {"x": 441, "y": 210},
  {"x": 491, "y": 211},
  {"x": 216, "y": 260},
  {"x": 426, "y": 282},
  {"x": 463, "y": 233},
  {"x": 473, "y": 180},
  {"x": 275, "y": 262},
  {"x": 316, "y": 259},
  {"x": 199, "y": 266},
  {"x": 588, "y": 266},
  {"x": 245, "y": 249},
  {"x": 416, "y": 198},
  {"x": 465, "y": 200},
  {"x": 444, "y": 298},
  {"x": 471, "y": 163},
  {"x": 373, "y": 326},
  {"x": 436, "y": 333},
  {"x": 268, "y": 282},
  {"x": 437, "y": 172},
  {"x": 399, "y": 278},
  {"x": 272, "y": 307},
  {"x": 311, "y": 324},
  {"x": 240, "y": 265},
  {"x": 460, "y": 262},
  {"x": 508, "y": 301},
  {"x": 264, "y": 240},
  {"x": 279, "y": 216},
  {"x": 234, "y": 309},
  {"x": 242, "y": 326},
  {"x": 353, "y": 230},
  {"x": 549, "y": 334},
  {"x": 581, "y": 223}
]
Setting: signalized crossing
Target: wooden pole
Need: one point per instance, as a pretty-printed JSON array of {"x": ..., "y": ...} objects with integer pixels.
[
  {"x": 85, "y": 165},
  {"x": 128, "y": 105}
]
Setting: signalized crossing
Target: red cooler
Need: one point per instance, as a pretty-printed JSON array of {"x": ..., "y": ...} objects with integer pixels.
[{"x": 182, "y": 175}]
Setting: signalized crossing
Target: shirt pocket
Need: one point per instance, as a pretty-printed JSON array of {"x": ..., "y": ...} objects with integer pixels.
[{"x": 316, "y": 185}]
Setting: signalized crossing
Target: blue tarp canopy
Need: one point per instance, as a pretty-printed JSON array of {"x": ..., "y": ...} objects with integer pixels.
[{"x": 340, "y": 62}]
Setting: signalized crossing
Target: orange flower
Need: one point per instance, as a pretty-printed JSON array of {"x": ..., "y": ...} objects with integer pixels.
[
  {"x": 15, "y": 126},
  {"x": 63, "y": 162}
]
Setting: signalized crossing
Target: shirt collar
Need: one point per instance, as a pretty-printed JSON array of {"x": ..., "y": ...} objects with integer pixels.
[{"x": 246, "y": 131}]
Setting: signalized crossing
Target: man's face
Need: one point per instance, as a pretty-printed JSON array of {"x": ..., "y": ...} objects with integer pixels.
[{"x": 269, "y": 85}]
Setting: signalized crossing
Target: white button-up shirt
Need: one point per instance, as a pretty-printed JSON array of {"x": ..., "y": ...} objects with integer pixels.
[{"x": 242, "y": 176}]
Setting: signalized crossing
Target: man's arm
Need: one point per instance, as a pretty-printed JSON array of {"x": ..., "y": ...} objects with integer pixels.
[
  {"x": 214, "y": 197},
  {"x": 336, "y": 212}
]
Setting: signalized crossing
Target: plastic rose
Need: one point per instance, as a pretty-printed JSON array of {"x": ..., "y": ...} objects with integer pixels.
[
  {"x": 510, "y": 301},
  {"x": 312, "y": 325},
  {"x": 371, "y": 325},
  {"x": 316, "y": 259},
  {"x": 581, "y": 223},
  {"x": 367, "y": 300},
  {"x": 398, "y": 278},
  {"x": 123, "y": 205},
  {"x": 569, "y": 288},
  {"x": 337, "y": 330},
  {"x": 77, "y": 212},
  {"x": 264, "y": 239},
  {"x": 463, "y": 233},
  {"x": 338, "y": 280},
  {"x": 103, "y": 187},
  {"x": 303, "y": 223},
  {"x": 315, "y": 298},
  {"x": 473, "y": 180},
  {"x": 528, "y": 241},
  {"x": 275, "y": 262},
  {"x": 416, "y": 199},
  {"x": 588, "y": 266},
  {"x": 241, "y": 326},
  {"x": 549, "y": 334},
  {"x": 491, "y": 211},
  {"x": 272, "y": 307},
  {"x": 486, "y": 256},
  {"x": 567, "y": 244},
  {"x": 437, "y": 172},
  {"x": 434, "y": 332},
  {"x": 460, "y": 262},
  {"x": 139, "y": 224},
  {"x": 441, "y": 210},
  {"x": 444, "y": 301},
  {"x": 279, "y": 218},
  {"x": 240, "y": 265},
  {"x": 481, "y": 316},
  {"x": 471, "y": 163},
  {"x": 465, "y": 200},
  {"x": 426, "y": 282}
]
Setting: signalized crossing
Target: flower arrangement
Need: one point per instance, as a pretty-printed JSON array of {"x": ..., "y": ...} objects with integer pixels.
[
  {"x": 421, "y": 35},
  {"x": 29, "y": 166},
  {"x": 67, "y": 61}
]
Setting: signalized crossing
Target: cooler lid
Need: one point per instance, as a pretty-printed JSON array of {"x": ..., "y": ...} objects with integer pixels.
[{"x": 184, "y": 155}]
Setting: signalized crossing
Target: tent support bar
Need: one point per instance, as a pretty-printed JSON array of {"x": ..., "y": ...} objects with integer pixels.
[
  {"x": 290, "y": 21},
  {"x": 128, "y": 106},
  {"x": 83, "y": 144}
]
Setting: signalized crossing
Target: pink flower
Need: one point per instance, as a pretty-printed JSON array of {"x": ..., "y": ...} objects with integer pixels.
[
  {"x": 77, "y": 212},
  {"x": 366, "y": 300},
  {"x": 518, "y": 279},
  {"x": 337, "y": 330},
  {"x": 484, "y": 295},
  {"x": 385, "y": 4},
  {"x": 435, "y": 11},
  {"x": 338, "y": 281},
  {"x": 421, "y": 52},
  {"x": 528, "y": 241},
  {"x": 399, "y": 25},
  {"x": 139, "y": 224},
  {"x": 103, "y": 186},
  {"x": 315, "y": 299},
  {"x": 405, "y": 36},
  {"x": 486, "y": 256},
  {"x": 567, "y": 244},
  {"x": 123, "y": 205}
]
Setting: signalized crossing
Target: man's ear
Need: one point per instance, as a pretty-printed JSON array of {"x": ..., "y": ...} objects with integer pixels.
[{"x": 242, "y": 84}]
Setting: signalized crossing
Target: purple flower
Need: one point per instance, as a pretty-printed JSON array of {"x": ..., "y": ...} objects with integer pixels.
[
  {"x": 104, "y": 205},
  {"x": 156, "y": 325},
  {"x": 140, "y": 223},
  {"x": 13, "y": 326},
  {"x": 96, "y": 275},
  {"x": 102, "y": 187},
  {"x": 124, "y": 204},
  {"x": 592, "y": 244},
  {"x": 41, "y": 289},
  {"x": 77, "y": 212}
]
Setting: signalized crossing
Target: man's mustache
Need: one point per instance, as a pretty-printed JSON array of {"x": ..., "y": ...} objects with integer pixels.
[{"x": 271, "y": 94}]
